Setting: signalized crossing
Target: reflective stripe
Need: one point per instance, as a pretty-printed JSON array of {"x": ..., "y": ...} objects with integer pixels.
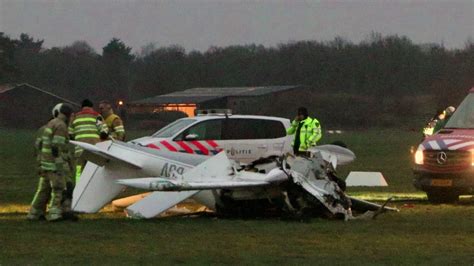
[
  {"x": 87, "y": 136},
  {"x": 62, "y": 138},
  {"x": 86, "y": 127},
  {"x": 48, "y": 130},
  {"x": 51, "y": 209},
  {"x": 78, "y": 172},
  {"x": 77, "y": 132},
  {"x": 40, "y": 187},
  {"x": 85, "y": 119},
  {"x": 185, "y": 146},
  {"x": 153, "y": 146},
  {"x": 78, "y": 149},
  {"x": 212, "y": 143},
  {"x": 48, "y": 166},
  {"x": 119, "y": 129},
  {"x": 46, "y": 150},
  {"x": 89, "y": 126},
  {"x": 59, "y": 139},
  {"x": 201, "y": 147},
  {"x": 168, "y": 146},
  {"x": 48, "y": 163}
]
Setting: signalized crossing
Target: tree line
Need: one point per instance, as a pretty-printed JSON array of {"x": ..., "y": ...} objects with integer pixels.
[{"x": 384, "y": 74}]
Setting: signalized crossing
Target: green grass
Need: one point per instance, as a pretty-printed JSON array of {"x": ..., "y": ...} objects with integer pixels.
[
  {"x": 420, "y": 234},
  {"x": 386, "y": 151}
]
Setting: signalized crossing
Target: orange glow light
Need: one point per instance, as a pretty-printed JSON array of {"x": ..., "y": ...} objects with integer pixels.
[{"x": 188, "y": 109}]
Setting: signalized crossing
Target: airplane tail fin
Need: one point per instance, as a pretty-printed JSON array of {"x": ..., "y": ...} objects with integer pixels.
[{"x": 92, "y": 192}]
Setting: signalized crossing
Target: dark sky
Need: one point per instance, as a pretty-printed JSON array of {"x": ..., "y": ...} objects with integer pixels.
[{"x": 198, "y": 24}]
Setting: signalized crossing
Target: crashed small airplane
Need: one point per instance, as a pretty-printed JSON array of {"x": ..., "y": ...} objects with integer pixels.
[{"x": 288, "y": 186}]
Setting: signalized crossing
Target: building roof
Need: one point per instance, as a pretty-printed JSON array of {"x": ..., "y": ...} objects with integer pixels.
[
  {"x": 198, "y": 95},
  {"x": 8, "y": 87}
]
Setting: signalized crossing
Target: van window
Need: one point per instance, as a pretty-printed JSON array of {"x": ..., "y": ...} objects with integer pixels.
[
  {"x": 173, "y": 128},
  {"x": 205, "y": 130},
  {"x": 464, "y": 115},
  {"x": 253, "y": 129}
]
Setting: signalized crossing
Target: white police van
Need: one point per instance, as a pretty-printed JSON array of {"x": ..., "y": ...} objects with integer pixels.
[{"x": 245, "y": 138}]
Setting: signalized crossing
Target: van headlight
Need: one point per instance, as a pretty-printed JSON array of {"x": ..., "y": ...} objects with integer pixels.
[
  {"x": 419, "y": 158},
  {"x": 472, "y": 157}
]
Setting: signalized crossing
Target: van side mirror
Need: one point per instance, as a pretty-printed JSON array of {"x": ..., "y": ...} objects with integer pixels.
[{"x": 191, "y": 137}]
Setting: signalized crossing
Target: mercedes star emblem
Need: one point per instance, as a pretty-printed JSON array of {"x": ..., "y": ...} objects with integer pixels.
[{"x": 442, "y": 158}]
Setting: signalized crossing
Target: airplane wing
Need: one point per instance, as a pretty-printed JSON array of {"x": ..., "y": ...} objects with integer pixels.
[
  {"x": 334, "y": 154},
  {"x": 163, "y": 184},
  {"x": 101, "y": 156},
  {"x": 215, "y": 173}
]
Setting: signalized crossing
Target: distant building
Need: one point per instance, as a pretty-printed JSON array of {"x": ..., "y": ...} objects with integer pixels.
[
  {"x": 27, "y": 106},
  {"x": 264, "y": 100}
]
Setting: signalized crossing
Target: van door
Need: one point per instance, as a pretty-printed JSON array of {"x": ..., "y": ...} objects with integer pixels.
[
  {"x": 248, "y": 139},
  {"x": 201, "y": 138}
]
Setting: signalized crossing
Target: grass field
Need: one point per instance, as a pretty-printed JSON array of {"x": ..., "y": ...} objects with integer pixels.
[{"x": 420, "y": 234}]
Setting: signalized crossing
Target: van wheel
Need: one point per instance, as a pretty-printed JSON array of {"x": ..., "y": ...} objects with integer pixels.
[{"x": 442, "y": 196}]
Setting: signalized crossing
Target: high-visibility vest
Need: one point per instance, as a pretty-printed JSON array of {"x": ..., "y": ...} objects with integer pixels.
[
  {"x": 110, "y": 120},
  {"x": 86, "y": 126},
  {"x": 310, "y": 132},
  {"x": 115, "y": 125}
]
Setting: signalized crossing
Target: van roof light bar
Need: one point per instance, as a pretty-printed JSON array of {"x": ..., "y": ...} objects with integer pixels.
[{"x": 204, "y": 112}]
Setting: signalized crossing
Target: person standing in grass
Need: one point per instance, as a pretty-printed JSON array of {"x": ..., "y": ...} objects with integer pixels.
[
  {"x": 86, "y": 126},
  {"x": 53, "y": 158}
]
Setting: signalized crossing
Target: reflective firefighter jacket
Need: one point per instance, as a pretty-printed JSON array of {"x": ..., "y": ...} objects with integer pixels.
[
  {"x": 87, "y": 126},
  {"x": 310, "y": 132},
  {"x": 39, "y": 145},
  {"x": 115, "y": 126},
  {"x": 54, "y": 145},
  {"x": 428, "y": 130}
]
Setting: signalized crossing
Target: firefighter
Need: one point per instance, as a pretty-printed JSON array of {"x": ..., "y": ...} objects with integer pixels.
[
  {"x": 53, "y": 156},
  {"x": 428, "y": 130},
  {"x": 113, "y": 121},
  {"x": 448, "y": 112},
  {"x": 86, "y": 126},
  {"x": 37, "y": 153},
  {"x": 307, "y": 132}
]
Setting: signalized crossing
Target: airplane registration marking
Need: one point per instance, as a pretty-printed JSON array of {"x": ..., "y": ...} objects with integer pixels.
[{"x": 169, "y": 168}]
